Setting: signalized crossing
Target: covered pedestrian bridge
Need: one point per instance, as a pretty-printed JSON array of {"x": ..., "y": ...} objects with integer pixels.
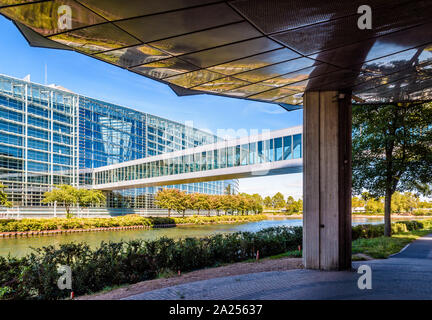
[
  {"x": 319, "y": 55},
  {"x": 270, "y": 153}
]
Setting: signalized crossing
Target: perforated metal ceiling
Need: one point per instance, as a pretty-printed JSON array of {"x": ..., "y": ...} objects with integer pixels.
[{"x": 265, "y": 50}]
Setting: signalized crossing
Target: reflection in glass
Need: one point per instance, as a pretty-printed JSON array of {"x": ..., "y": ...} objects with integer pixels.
[
  {"x": 207, "y": 39},
  {"x": 287, "y": 143},
  {"x": 256, "y": 61},
  {"x": 278, "y": 149},
  {"x": 96, "y": 38},
  {"x": 194, "y": 78},
  {"x": 252, "y": 152},
  {"x": 132, "y": 56},
  {"x": 297, "y": 143},
  {"x": 212, "y": 57},
  {"x": 43, "y": 18},
  {"x": 221, "y": 85},
  {"x": 244, "y": 154},
  {"x": 165, "y": 68},
  {"x": 230, "y": 156}
]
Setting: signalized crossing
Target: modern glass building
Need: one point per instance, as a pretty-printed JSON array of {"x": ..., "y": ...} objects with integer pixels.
[{"x": 49, "y": 136}]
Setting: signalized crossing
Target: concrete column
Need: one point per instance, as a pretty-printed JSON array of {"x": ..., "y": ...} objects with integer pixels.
[{"x": 327, "y": 180}]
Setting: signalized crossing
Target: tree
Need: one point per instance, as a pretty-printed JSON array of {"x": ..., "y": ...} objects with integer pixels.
[
  {"x": 172, "y": 199},
  {"x": 199, "y": 201},
  {"x": 227, "y": 202},
  {"x": 392, "y": 150},
  {"x": 404, "y": 202},
  {"x": 228, "y": 189},
  {"x": 217, "y": 203},
  {"x": 3, "y": 198},
  {"x": 374, "y": 205},
  {"x": 268, "y": 202},
  {"x": 357, "y": 202},
  {"x": 63, "y": 194},
  {"x": 278, "y": 201},
  {"x": 87, "y": 198},
  {"x": 293, "y": 206},
  {"x": 258, "y": 203}
]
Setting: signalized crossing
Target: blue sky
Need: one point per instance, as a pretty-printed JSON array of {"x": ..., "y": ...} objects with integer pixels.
[{"x": 94, "y": 78}]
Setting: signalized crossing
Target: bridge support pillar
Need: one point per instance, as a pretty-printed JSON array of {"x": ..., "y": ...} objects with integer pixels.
[{"x": 327, "y": 180}]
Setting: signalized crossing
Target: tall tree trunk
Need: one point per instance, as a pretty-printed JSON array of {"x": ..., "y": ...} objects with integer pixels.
[
  {"x": 169, "y": 213},
  {"x": 387, "y": 213}
]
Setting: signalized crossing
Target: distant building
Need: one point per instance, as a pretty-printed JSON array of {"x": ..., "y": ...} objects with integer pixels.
[{"x": 50, "y": 135}]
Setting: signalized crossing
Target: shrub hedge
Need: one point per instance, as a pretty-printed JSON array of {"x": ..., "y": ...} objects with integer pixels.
[
  {"x": 368, "y": 231},
  {"x": 12, "y": 225},
  {"x": 35, "y": 275}
]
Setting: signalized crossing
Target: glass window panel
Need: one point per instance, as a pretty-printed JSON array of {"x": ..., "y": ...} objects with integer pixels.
[
  {"x": 222, "y": 159},
  {"x": 287, "y": 144},
  {"x": 248, "y": 90},
  {"x": 252, "y": 153},
  {"x": 133, "y": 56},
  {"x": 212, "y": 57},
  {"x": 203, "y": 161},
  {"x": 39, "y": 16},
  {"x": 244, "y": 154},
  {"x": 209, "y": 157},
  {"x": 215, "y": 159},
  {"x": 269, "y": 150},
  {"x": 115, "y": 10},
  {"x": 194, "y": 78},
  {"x": 197, "y": 161},
  {"x": 297, "y": 146},
  {"x": 207, "y": 39},
  {"x": 237, "y": 156},
  {"x": 165, "y": 68},
  {"x": 272, "y": 71},
  {"x": 278, "y": 149},
  {"x": 179, "y": 22},
  {"x": 274, "y": 94},
  {"x": 261, "y": 155},
  {"x": 221, "y": 85},
  {"x": 293, "y": 99},
  {"x": 256, "y": 61},
  {"x": 96, "y": 38},
  {"x": 230, "y": 156}
]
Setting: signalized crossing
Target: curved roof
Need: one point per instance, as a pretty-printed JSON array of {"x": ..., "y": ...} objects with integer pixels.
[{"x": 263, "y": 50}]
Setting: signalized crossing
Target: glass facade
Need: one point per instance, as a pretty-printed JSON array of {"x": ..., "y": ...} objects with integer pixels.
[{"x": 52, "y": 136}]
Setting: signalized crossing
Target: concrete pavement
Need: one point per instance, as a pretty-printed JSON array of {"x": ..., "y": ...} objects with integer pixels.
[{"x": 406, "y": 275}]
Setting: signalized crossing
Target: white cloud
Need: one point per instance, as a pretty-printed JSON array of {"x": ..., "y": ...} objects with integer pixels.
[{"x": 287, "y": 184}]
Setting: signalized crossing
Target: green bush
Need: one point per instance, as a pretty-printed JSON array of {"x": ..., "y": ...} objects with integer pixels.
[
  {"x": 35, "y": 275},
  {"x": 368, "y": 231}
]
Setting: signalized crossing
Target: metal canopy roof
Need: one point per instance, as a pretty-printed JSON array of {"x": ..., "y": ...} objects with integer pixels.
[{"x": 263, "y": 50}]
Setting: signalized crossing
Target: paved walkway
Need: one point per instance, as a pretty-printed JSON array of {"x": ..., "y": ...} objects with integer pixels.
[{"x": 406, "y": 275}]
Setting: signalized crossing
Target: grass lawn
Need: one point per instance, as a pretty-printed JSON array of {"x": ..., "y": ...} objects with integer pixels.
[{"x": 382, "y": 247}]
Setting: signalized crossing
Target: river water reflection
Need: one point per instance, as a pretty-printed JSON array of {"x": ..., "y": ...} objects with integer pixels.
[{"x": 21, "y": 246}]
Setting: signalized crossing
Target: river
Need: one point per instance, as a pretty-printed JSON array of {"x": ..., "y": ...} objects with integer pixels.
[{"x": 21, "y": 246}]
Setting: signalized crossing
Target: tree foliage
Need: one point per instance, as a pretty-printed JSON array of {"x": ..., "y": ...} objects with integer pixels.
[
  {"x": 294, "y": 206},
  {"x": 278, "y": 201},
  {"x": 3, "y": 198},
  {"x": 392, "y": 150},
  {"x": 173, "y": 199},
  {"x": 68, "y": 196}
]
